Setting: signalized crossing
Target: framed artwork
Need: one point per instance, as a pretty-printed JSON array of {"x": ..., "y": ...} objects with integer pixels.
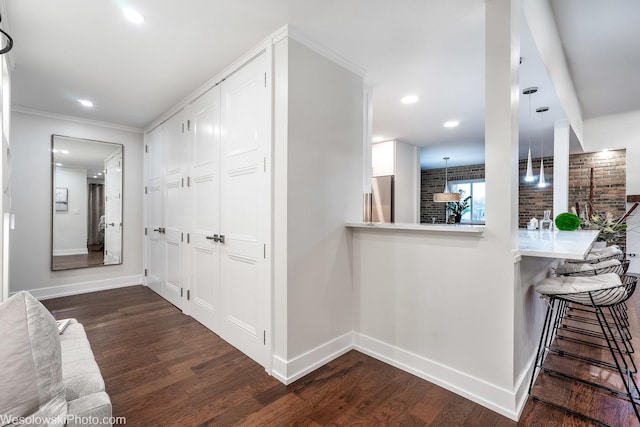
[{"x": 62, "y": 199}]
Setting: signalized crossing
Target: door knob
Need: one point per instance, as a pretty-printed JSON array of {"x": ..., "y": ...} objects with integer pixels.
[
  {"x": 112, "y": 224},
  {"x": 221, "y": 238},
  {"x": 214, "y": 237}
]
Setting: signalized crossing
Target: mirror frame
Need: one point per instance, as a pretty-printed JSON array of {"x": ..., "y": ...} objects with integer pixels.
[{"x": 53, "y": 200}]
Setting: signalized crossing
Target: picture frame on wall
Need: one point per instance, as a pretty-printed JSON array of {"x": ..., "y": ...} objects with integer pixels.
[{"x": 62, "y": 199}]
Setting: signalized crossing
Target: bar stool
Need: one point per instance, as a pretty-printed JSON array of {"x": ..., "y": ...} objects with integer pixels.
[
  {"x": 596, "y": 255},
  {"x": 600, "y": 295},
  {"x": 586, "y": 314}
]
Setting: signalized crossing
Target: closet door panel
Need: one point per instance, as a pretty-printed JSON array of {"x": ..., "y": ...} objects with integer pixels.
[
  {"x": 173, "y": 212},
  {"x": 243, "y": 208},
  {"x": 155, "y": 248},
  {"x": 204, "y": 195}
]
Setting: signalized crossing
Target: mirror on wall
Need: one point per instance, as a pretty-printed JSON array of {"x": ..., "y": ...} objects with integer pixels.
[{"x": 86, "y": 194}]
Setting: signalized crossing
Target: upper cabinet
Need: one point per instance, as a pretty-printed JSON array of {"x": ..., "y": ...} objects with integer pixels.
[{"x": 402, "y": 161}]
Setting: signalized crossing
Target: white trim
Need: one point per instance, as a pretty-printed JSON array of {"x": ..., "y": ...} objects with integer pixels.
[
  {"x": 76, "y": 251},
  {"x": 47, "y": 292},
  {"x": 498, "y": 399},
  {"x": 288, "y": 371},
  {"x": 522, "y": 386},
  {"x": 489, "y": 395},
  {"x": 49, "y": 115},
  {"x": 332, "y": 56}
]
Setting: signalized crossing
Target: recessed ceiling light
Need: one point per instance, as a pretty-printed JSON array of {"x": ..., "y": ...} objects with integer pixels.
[
  {"x": 133, "y": 15},
  {"x": 451, "y": 124},
  {"x": 58, "y": 164},
  {"x": 377, "y": 139},
  {"x": 99, "y": 173},
  {"x": 85, "y": 103},
  {"x": 94, "y": 176},
  {"x": 65, "y": 151},
  {"x": 54, "y": 151},
  {"x": 409, "y": 99}
]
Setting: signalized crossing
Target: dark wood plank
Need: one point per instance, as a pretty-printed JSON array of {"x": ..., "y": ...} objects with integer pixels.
[
  {"x": 633, "y": 198},
  {"x": 163, "y": 368}
]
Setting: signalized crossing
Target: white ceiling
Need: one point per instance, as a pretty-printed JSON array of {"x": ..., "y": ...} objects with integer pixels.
[
  {"x": 70, "y": 49},
  {"x": 74, "y": 153},
  {"x": 601, "y": 40}
]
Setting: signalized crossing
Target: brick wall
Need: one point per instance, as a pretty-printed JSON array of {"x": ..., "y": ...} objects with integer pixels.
[
  {"x": 609, "y": 180},
  {"x": 533, "y": 200},
  {"x": 609, "y": 186},
  {"x": 609, "y": 183},
  {"x": 432, "y": 181}
]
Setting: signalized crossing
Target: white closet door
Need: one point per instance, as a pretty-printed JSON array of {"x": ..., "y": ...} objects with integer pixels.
[
  {"x": 204, "y": 196},
  {"x": 174, "y": 216},
  {"x": 243, "y": 209},
  {"x": 155, "y": 243},
  {"x": 113, "y": 210}
]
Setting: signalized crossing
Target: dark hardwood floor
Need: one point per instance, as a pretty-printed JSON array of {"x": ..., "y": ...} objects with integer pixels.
[
  {"x": 65, "y": 262},
  {"x": 162, "y": 368}
]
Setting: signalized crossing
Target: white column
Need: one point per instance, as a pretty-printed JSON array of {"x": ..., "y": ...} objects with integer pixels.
[
  {"x": 502, "y": 93},
  {"x": 561, "y": 134}
]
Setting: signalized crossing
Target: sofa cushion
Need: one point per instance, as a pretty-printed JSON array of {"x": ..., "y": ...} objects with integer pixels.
[
  {"x": 80, "y": 372},
  {"x": 96, "y": 407},
  {"x": 31, "y": 368}
]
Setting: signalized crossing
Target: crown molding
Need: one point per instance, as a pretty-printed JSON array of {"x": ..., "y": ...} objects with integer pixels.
[
  {"x": 75, "y": 119},
  {"x": 320, "y": 49}
]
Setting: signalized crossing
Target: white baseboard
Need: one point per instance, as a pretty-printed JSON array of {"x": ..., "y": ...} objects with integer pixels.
[
  {"x": 287, "y": 371},
  {"x": 496, "y": 398},
  {"x": 84, "y": 287},
  {"x": 505, "y": 402},
  {"x": 63, "y": 252}
]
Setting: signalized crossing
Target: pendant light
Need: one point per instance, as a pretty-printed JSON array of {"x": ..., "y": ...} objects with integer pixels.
[
  {"x": 541, "y": 181},
  {"x": 446, "y": 195},
  {"x": 9, "y": 44},
  {"x": 529, "y": 176}
]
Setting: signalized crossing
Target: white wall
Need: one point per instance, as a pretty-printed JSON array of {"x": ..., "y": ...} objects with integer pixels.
[
  {"x": 318, "y": 175},
  {"x": 30, "y": 244},
  {"x": 449, "y": 307},
  {"x": 615, "y": 132},
  {"x": 70, "y": 226}
]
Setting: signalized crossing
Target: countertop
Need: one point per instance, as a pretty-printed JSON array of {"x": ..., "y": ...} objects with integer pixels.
[
  {"x": 536, "y": 243},
  {"x": 428, "y": 228},
  {"x": 556, "y": 244}
]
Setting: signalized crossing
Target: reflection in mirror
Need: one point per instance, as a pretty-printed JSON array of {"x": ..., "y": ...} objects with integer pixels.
[{"x": 86, "y": 217}]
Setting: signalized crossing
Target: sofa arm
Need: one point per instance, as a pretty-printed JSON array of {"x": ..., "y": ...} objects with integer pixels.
[{"x": 92, "y": 410}]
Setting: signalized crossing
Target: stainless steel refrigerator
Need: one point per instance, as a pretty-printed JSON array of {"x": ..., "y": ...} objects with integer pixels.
[{"x": 382, "y": 198}]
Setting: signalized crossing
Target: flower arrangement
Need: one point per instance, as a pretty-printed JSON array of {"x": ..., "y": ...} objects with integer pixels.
[{"x": 610, "y": 228}]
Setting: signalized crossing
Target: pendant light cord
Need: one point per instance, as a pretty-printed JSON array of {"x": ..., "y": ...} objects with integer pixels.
[
  {"x": 529, "y": 133},
  {"x": 9, "y": 45},
  {"x": 542, "y": 134}
]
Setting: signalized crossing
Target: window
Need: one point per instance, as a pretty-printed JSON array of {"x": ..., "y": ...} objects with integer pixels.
[{"x": 476, "y": 189}]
